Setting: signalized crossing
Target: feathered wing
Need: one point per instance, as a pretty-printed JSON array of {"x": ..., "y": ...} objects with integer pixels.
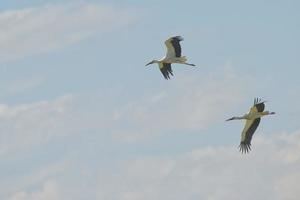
[
  {"x": 251, "y": 126},
  {"x": 166, "y": 69},
  {"x": 173, "y": 47},
  {"x": 259, "y": 106},
  {"x": 249, "y": 129}
]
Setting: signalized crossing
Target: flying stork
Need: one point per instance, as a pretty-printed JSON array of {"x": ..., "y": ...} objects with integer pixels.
[
  {"x": 173, "y": 55},
  {"x": 252, "y": 122}
]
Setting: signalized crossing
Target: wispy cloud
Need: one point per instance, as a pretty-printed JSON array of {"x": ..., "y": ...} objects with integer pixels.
[
  {"x": 39, "y": 180},
  {"x": 191, "y": 105},
  {"x": 22, "y": 86},
  {"x": 49, "y": 191},
  {"x": 164, "y": 111},
  {"x": 36, "y": 30},
  {"x": 32, "y": 124},
  {"x": 211, "y": 173},
  {"x": 203, "y": 173}
]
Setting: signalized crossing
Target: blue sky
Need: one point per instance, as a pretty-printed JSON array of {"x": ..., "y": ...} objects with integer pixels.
[{"x": 83, "y": 118}]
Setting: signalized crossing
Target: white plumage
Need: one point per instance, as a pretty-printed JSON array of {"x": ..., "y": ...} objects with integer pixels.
[
  {"x": 252, "y": 122},
  {"x": 173, "y": 55}
]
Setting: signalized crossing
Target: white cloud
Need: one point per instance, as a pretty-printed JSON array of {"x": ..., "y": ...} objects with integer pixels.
[
  {"x": 35, "y": 183},
  {"x": 192, "y": 104},
  {"x": 49, "y": 191},
  {"x": 212, "y": 173},
  {"x": 21, "y": 86},
  {"x": 36, "y": 30},
  {"x": 22, "y": 126},
  {"x": 173, "y": 108}
]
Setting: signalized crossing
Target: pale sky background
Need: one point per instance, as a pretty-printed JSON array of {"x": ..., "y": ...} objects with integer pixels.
[{"x": 82, "y": 118}]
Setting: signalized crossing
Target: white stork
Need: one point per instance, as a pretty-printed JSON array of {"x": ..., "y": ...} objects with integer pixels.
[
  {"x": 252, "y": 122},
  {"x": 173, "y": 56}
]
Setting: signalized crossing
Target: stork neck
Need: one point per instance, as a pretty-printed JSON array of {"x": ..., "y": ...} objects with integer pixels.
[{"x": 242, "y": 117}]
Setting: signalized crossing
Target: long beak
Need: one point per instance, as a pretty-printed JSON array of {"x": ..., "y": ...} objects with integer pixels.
[
  {"x": 232, "y": 118},
  {"x": 149, "y": 63}
]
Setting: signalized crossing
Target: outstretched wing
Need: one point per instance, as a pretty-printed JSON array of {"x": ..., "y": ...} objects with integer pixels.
[
  {"x": 173, "y": 47},
  {"x": 249, "y": 129},
  {"x": 251, "y": 126},
  {"x": 259, "y": 106},
  {"x": 166, "y": 69}
]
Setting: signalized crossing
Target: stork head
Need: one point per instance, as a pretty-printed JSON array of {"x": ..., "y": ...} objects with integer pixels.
[{"x": 153, "y": 61}]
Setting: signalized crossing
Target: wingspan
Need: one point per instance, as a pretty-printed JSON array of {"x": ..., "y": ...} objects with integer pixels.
[
  {"x": 173, "y": 46},
  {"x": 249, "y": 129},
  {"x": 166, "y": 69}
]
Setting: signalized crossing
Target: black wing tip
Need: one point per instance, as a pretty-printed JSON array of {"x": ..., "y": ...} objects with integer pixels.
[
  {"x": 245, "y": 147},
  {"x": 166, "y": 71},
  {"x": 259, "y": 104},
  {"x": 179, "y": 38},
  {"x": 258, "y": 101},
  {"x": 167, "y": 76}
]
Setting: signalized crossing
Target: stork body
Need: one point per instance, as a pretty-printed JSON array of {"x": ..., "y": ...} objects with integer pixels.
[
  {"x": 252, "y": 122},
  {"x": 173, "y": 55}
]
